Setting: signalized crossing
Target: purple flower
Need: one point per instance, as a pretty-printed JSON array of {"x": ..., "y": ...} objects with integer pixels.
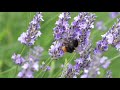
[
  {"x": 101, "y": 47},
  {"x": 31, "y": 63},
  {"x": 81, "y": 28},
  {"x": 109, "y": 74},
  {"x": 113, "y": 35},
  {"x": 25, "y": 74},
  {"x": 84, "y": 76},
  {"x": 113, "y": 14},
  {"x": 18, "y": 59},
  {"x": 106, "y": 64},
  {"x": 28, "y": 38},
  {"x": 96, "y": 63},
  {"x": 62, "y": 26},
  {"x": 56, "y": 50},
  {"x": 100, "y": 25},
  {"x": 48, "y": 68}
]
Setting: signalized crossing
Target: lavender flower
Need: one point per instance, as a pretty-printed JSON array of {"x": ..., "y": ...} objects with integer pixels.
[
  {"x": 48, "y": 68},
  {"x": 63, "y": 33},
  {"x": 109, "y": 74},
  {"x": 18, "y": 59},
  {"x": 113, "y": 14},
  {"x": 28, "y": 38},
  {"x": 101, "y": 47},
  {"x": 68, "y": 71},
  {"x": 100, "y": 25},
  {"x": 62, "y": 26},
  {"x": 73, "y": 71},
  {"x": 32, "y": 63},
  {"x": 113, "y": 35},
  {"x": 87, "y": 66},
  {"x": 96, "y": 63},
  {"x": 56, "y": 50},
  {"x": 60, "y": 33},
  {"x": 81, "y": 28}
]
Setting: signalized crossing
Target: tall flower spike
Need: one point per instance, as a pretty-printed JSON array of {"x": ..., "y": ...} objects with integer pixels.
[
  {"x": 28, "y": 38},
  {"x": 32, "y": 63},
  {"x": 96, "y": 63},
  {"x": 113, "y": 35},
  {"x": 73, "y": 71},
  {"x": 81, "y": 28},
  {"x": 61, "y": 32},
  {"x": 62, "y": 26}
]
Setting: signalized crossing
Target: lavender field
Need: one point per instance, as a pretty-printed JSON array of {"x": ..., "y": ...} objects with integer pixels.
[{"x": 59, "y": 44}]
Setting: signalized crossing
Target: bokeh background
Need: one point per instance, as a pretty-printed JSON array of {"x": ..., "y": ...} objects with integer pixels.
[{"x": 12, "y": 24}]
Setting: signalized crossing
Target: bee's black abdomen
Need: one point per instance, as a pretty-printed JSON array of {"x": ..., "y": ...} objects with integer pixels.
[
  {"x": 75, "y": 43},
  {"x": 71, "y": 45},
  {"x": 70, "y": 49}
]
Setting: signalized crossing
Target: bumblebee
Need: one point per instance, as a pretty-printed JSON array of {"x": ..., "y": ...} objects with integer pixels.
[{"x": 70, "y": 45}]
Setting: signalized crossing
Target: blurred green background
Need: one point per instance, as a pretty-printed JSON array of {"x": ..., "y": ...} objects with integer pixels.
[{"x": 12, "y": 24}]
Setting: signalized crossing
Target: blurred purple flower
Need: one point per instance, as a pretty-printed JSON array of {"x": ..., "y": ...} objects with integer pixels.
[
  {"x": 114, "y": 14},
  {"x": 100, "y": 25},
  {"x": 31, "y": 63},
  {"x": 95, "y": 64},
  {"x": 48, "y": 68},
  {"x": 18, "y": 59}
]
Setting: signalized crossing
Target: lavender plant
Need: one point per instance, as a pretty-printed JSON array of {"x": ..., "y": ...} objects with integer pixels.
[
  {"x": 30, "y": 63},
  {"x": 74, "y": 38},
  {"x": 91, "y": 59},
  {"x": 30, "y": 36}
]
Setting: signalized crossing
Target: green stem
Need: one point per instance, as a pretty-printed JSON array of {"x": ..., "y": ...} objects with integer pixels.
[
  {"x": 7, "y": 70},
  {"x": 16, "y": 70},
  {"x": 71, "y": 58},
  {"x": 45, "y": 67},
  {"x": 114, "y": 57},
  {"x": 23, "y": 48},
  {"x": 41, "y": 70}
]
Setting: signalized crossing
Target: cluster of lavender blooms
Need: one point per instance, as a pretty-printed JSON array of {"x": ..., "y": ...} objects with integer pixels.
[
  {"x": 30, "y": 63},
  {"x": 87, "y": 66},
  {"x": 61, "y": 32},
  {"x": 112, "y": 37},
  {"x": 80, "y": 29},
  {"x": 28, "y": 38},
  {"x": 114, "y": 14},
  {"x": 91, "y": 59}
]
